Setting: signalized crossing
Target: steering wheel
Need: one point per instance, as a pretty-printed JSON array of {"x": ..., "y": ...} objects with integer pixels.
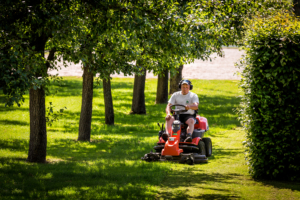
[{"x": 176, "y": 110}]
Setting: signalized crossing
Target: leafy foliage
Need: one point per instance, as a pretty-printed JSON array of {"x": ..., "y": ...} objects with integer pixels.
[
  {"x": 26, "y": 26},
  {"x": 270, "y": 109},
  {"x": 110, "y": 35},
  {"x": 53, "y": 116},
  {"x": 161, "y": 34}
]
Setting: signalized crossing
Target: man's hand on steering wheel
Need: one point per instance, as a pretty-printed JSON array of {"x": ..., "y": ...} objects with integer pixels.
[
  {"x": 187, "y": 107},
  {"x": 182, "y": 108}
]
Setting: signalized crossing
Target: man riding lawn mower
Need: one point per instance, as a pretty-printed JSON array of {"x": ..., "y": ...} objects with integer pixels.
[{"x": 183, "y": 140}]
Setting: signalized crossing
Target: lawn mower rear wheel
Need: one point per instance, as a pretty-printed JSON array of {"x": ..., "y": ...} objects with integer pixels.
[
  {"x": 201, "y": 146},
  {"x": 208, "y": 146}
]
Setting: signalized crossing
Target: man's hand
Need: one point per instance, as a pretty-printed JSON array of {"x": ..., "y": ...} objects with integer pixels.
[
  {"x": 193, "y": 106},
  {"x": 168, "y": 117},
  {"x": 187, "y": 107}
]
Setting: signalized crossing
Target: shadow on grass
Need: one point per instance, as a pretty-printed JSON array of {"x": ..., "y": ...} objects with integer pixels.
[
  {"x": 198, "y": 180},
  {"x": 222, "y": 153},
  {"x": 15, "y": 145},
  {"x": 109, "y": 148},
  {"x": 125, "y": 124},
  {"x": 294, "y": 186},
  {"x": 12, "y": 108},
  {"x": 13, "y": 122},
  {"x": 107, "y": 168},
  {"x": 67, "y": 88},
  {"x": 103, "y": 180}
]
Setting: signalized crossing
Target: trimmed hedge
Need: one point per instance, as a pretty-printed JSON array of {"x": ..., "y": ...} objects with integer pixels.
[{"x": 270, "y": 110}]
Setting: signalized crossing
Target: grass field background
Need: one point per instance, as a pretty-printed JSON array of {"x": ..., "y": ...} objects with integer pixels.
[{"x": 109, "y": 167}]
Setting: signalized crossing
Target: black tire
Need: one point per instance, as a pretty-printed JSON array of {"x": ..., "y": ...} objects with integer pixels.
[
  {"x": 201, "y": 146},
  {"x": 208, "y": 146},
  {"x": 158, "y": 150}
]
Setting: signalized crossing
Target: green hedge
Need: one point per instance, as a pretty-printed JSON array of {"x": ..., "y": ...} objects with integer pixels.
[{"x": 270, "y": 110}]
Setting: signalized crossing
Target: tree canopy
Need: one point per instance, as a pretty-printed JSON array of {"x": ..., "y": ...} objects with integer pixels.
[
  {"x": 107, "y": 36},
  {"x": 161, "y": 33}
]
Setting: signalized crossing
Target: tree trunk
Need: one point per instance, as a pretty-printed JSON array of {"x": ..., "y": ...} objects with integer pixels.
[
  {"x": 138, "y": 99},
  {"x": 296, "y": 7},
  {"x": 86, "y": 106},
  {"x": 108, "y": 102},
  {"x": 38, "y": 132},
  {"x": 162, "y": 87},
  {"x": 175, "y": 79}
]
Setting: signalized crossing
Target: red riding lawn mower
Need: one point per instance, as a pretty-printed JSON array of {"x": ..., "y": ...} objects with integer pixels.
[{"x": 175, "y": 149}]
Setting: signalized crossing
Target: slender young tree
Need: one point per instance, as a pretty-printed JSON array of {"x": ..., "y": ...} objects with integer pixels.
[
  {"x": 108, "y": 101},
  {"x": 175, "y": 79},
  {"x": 102, "y": 46},
  {"x": 138, "y": 100},
  {"x": 162, "y": 87},
  {"x": 86, "y": 105}
]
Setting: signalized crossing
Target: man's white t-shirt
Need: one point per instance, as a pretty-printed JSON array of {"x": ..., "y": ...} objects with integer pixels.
[{"x": 188, "y": 99}]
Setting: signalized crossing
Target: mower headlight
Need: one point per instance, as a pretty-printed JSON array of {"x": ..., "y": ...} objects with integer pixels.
[{"x": 176, "y": 126}]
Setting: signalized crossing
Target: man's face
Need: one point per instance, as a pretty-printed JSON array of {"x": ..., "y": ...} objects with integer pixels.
[{"x": 185, "y": 88}]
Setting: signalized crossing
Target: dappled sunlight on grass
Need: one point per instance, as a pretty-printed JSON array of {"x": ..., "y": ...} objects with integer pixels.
[
  {"x": 71, "y": 179},
  {"x": 110, "y": 165}
]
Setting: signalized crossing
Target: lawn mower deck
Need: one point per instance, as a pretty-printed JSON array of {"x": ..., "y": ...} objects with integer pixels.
[{"x": 175, "y": 149}]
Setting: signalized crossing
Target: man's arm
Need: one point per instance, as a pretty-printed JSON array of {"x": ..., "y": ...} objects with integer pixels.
[
  {"x": 168, "y": 111},
  {"x": 193, "y": 106}
]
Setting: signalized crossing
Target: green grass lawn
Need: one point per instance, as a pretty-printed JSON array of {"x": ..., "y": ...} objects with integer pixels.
[{"x": 109, "y": 167}]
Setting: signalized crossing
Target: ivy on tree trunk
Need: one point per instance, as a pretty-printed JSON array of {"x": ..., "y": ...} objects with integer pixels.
[{"x": 86, "y": 106}]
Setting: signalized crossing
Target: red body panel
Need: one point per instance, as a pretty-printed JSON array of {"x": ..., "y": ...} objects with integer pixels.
[
  {"x": 196, "y": 140},
  {"x": 171, "y": 148},
  {"x": 172, "y": 145},
  {"x": 202, "y": 123}
]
